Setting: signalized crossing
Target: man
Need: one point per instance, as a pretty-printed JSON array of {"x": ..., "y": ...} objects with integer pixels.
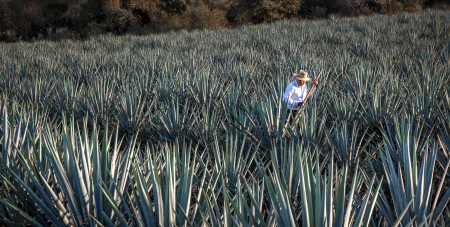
[{"x": 295, "y": 93}]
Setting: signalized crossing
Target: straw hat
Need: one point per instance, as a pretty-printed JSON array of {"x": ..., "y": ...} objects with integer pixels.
[{"x": 302, "y": 75}]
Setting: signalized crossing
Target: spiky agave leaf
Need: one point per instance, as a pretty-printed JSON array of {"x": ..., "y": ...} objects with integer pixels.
[
  {"x": 323, "y": 198},
  {"x": 63, "y": 190},
  {"x": 417, "y": 187}
]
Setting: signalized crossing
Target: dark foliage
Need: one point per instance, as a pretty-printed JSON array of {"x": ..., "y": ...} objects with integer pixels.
[{"x": 29, "y": 20}]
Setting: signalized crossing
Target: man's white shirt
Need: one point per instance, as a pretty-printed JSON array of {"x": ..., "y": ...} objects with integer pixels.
[{"x": 295, "y": 94}]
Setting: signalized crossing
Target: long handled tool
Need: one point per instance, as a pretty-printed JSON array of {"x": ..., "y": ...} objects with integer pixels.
[{"x": 303, "y": 104}]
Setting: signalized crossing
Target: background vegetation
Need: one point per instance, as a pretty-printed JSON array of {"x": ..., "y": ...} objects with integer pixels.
[
  {"x": 80, "y": 19},
  {"x": 185, "y": 128}
]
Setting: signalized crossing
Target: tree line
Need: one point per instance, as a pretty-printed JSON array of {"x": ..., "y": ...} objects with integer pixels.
[{"x": 80, "y": 19}]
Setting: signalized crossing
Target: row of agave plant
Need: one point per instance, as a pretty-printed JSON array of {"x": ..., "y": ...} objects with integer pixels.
[
  {"x": 75, "y": 175},
  {"x": 70, "y": 175},
  {"x": 161, "y": 130}
]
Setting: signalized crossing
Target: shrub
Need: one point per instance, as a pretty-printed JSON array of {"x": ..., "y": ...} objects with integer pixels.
[
  {"x": 201, "y": 16},
  {"x": 265, "y": 10},
  {"x": 175, "y": 22},
  {"x": 119, "y": 20},
  {"x": 8, "y": 36},
  {"x": 97, "y": 6},
  {"x": 366, "y": 10},
  {"x": 92, "y": 29},
  {"x": 94, "y": 6},
  {"x": 413, "y": 5},
  {"x": 239, "y": 13},
  {"x": 396, "y": 6},
  {"x": 350, "y": 7},
  {"x": 5, "y": 16},
  {"x": 29, "y": 18},
  {"x": 111, "y": 4},
  {"x": 56, "y": 10},
  {"x": 76, "y": 19},
  {"x": 60, "y": 33},
  {"x": 147, "y": 10},
  {"x": 317, "y": 12},
  {"x": 174, "y": 6},
  {"x": 389, "y": 7}
]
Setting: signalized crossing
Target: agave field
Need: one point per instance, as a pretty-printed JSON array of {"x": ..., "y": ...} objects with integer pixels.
[{"x": 184, "y": 129}]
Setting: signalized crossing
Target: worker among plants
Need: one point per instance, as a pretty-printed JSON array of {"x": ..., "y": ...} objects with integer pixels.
[{"x": 296, "y": 92}]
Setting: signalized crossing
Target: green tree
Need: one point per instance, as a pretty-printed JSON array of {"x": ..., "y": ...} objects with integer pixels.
[
  {"x": 175, "y": 6},
  {"x": 97, "y": 6},
  {"x": 265, "y": 10},
  {"x": 5, "y": 14},
  {"x": 270, "y": 10},
  {"x": 207, "y": 15}
]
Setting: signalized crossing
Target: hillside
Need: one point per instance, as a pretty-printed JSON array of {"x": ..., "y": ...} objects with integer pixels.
[{"x": 31, "y": 20}]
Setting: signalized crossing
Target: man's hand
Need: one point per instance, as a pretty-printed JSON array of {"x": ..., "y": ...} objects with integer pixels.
[{"x": 315, "y": 82}]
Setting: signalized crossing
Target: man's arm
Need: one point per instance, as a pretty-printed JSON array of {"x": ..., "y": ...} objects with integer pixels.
[{"x": 315, "y": 83}]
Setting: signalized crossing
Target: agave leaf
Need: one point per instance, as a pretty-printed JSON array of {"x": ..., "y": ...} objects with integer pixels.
[
  {"x": 227, "y": 217},
  {"x": 307, "y": 211},
  {"x": 170, "y": 194},
  {"x": 201, "y": 188},
  {"x": 96, "y": 221},
  {"x": 19, "y": 212},
  {"x": 143, "y": 203},
  {"x": 360, "y": 218},
  {"x": 185, "y": 186},
  {"x": 400, "y": 217},
  {"x": 340, "y": 196},
  {"x": 108, "y": 197},
  {"x": 60, "y": 174},
  {"x": 78, "y": 185},
  {"x": 184, "y": 215},
  {"x": 441, "y": 206},
  {"x": 275, "y": 205},
  {"x": 17, "y": 192},
  {"x": 42, "y": 204},
  {"x": 256, "y": 212},
  {"x": 7, "y": 222},
  {"x": 107, "y": 220},
  {"x": 372, "y": 205},
  {"x": 350, "y": 200},
  {"x": 138, "y": 218},
  {"x": 254, "y": 221},
  {"x": 122, "y": 200},
  {"x": 214, "y": 220},
  {"x": 97, "y": 176}
]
